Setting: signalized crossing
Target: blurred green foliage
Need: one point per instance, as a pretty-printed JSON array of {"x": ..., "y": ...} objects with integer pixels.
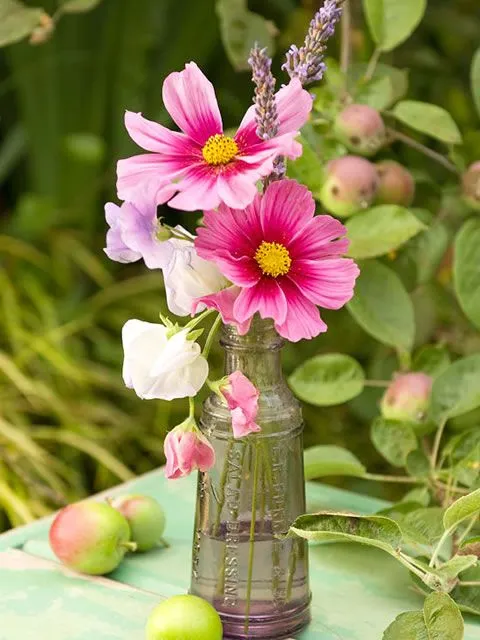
[{"x": 67, "y": 424}]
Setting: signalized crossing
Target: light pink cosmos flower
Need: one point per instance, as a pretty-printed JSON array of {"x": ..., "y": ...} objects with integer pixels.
[
  {"x": 133, "y": 234},
  {"x": 187, "y": 449},
  {"x": 206, "y": 166},
  {"x": 242, "y": 400},
  {"x": 284, "y": 260}
]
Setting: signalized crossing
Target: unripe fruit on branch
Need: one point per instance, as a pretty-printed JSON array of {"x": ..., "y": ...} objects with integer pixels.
[
  {"x": 407, "y": 398},
  {"x": 361, "y": 129},
  {"x": 184, "y": 617},
  {"x": 91, "y": 537},
  {"x": 395, "y": 184},
  {"x": 471, "y": 186},
  {"x": 145, "y": 517},
  {"x": 350, "y": 185}
]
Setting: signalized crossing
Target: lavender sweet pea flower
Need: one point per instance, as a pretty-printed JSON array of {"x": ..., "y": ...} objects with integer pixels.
[{"x": 133, "y": 234}]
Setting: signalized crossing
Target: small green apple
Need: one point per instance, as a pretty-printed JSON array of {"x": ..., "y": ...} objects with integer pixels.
[{"x": 184, "y": 617}]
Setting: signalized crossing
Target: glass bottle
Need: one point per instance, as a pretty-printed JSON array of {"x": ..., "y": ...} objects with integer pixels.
[{"x": 241, "y": 562}]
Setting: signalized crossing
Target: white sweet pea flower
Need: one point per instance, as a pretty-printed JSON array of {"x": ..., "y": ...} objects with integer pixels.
[
  {"x": 187, "y": 277},
  {"x": 160, "y": 363}
]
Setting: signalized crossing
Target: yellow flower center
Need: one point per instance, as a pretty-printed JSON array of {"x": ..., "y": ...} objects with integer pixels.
[
  {"x": 273, "y": 259},
  {"x": 219, "y": 149}
]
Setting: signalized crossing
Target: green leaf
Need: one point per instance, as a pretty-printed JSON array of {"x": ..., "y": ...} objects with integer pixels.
[
  {"x": 387, "y": 86},
  {"x": 381, "y": 230},
  {"x": 17, "y": 21},
  {"x": 375, "y": 531},
  {"x": 429, "y": 119},
  {"x": 464, "y": 507},
  {"x": 456, "y": 390},
  {"x": 450, "y": 570},
  {"x": 241, "y": 29},
  {"x": 431, "y": 359},
  {"x": 467, "y": 470},
  {"x": 466, "y": 269},
  {"x": 328, "y": 379},
  {"x": 78, "y": 6},
  {"x": 421, "y": 495},
  {"x": 475, "y": 79},
  {"x": 406, "y": 626},
  {"x": 393, "y": 440},
  {"x": 417, "y": 464},
  {"x": 330, "y": 460},
  {"x": 424, "y": 526},
  {"x": 439, "y": 620},
  {"x": 391, "y": 22},
  {"x": 468, "y": 598},
  {"x": 428, "y": 249},
  {"x": 308, "y": 168},
  {"x": 382, "y": 306}
]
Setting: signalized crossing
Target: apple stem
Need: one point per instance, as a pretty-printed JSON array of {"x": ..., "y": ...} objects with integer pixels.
[
  {"x": 129, "y": 546},
  {"x": 162, "y": 542}
]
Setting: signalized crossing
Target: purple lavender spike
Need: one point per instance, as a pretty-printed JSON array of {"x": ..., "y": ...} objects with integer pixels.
[
  {"x": 307, "y": 63},
  {"x": 265, "y": 108}
]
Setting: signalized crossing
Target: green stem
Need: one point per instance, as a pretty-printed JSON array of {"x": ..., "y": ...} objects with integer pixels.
[
  {"x": 384, "y": 478},
  {"x": 372, "y": 65},
  {"x": 467, "y": 530},
  {"x": 193, "y": 323},
  {"x": 176, "y": 233},
  {"x": 211, "y": 336},
  {"x": 191, "y": 407},
  {"x": 223, "y": 482},
  {"x": 441, "y": 542},
  {"x": 376, "y": 383},
  {"x": 436, "y": 445},
  {"x": 345, "y": 32},
  {"x": 418, "y": 146},
  {"x": 469, "y": 583},
  {"x": 292, "y": 566},
  {"x": 251, "y": 551},
  {"x": 407, "y": 561}
]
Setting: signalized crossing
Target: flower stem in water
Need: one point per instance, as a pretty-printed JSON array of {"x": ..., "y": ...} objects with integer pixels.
[{"x": 251, "y": 551}]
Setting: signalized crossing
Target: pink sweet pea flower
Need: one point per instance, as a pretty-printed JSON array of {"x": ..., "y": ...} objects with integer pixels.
[
  {"x": 242, "y": 400},
  {"x": 187, "y": 449},
  {"x": 204, "y": 165},
  {"x": 284, "y": 260}
]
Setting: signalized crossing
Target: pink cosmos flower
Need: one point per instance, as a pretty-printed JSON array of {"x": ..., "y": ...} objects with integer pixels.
[
  {"x": 133, "y": 234},
  {"x": 206, "y": 166},
  {"x": 242, "y": 400},
  {"x": 187, "y": 449},
  {"x": 284, "y": 260}
]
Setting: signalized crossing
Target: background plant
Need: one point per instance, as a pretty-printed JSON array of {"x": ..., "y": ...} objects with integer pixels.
[{"x": 67, "y": 425}]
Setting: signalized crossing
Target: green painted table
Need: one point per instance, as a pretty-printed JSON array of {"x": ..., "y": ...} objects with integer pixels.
[{"x": 357, "y": 591}]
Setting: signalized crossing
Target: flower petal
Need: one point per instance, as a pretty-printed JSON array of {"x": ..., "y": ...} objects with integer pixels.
[
  {"x": 153, "y": 136},
  {"x": 147, "y": 176},
  {"x": 190, "y": 99},
  {"x": 328, "y": 282},
  {"x": 197, "y": 190},
  {"x": 303, "y": 318},
  {"x": 319, "y": 238},
  {"x": 266, "y": 297},
  {"x": 293, "y": 108},
  {"x": 223, "y": 302},
  {"x": 286, "y": 208}
]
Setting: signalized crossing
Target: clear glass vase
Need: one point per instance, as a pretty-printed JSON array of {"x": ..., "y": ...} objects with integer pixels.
[{"x": 241, "y": 562}]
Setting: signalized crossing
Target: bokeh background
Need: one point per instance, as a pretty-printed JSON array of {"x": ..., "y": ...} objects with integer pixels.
[{"x": 68, "y": 427}]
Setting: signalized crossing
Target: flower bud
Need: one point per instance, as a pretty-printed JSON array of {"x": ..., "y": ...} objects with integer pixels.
[
  {"x": 187, "y": 449},
  {"x": 407, "y": 397},
  {"x": 360, "y": 128},
  {"x": 350, "y": 185},
  {"x": 396, "y": 184},
  {"x": 471, "y": 186}
]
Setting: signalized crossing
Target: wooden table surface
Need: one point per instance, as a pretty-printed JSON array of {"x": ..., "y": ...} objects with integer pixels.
[{"x": 357, "y": 591}]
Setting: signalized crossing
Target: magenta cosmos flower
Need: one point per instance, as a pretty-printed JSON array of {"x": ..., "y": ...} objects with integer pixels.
[
  {"x": 203, "y": 164},
  {"x": 284, "y": 260}
]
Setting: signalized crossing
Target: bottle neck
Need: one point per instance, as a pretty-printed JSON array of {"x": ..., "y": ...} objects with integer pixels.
[{"x": 256, "y": 354}]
